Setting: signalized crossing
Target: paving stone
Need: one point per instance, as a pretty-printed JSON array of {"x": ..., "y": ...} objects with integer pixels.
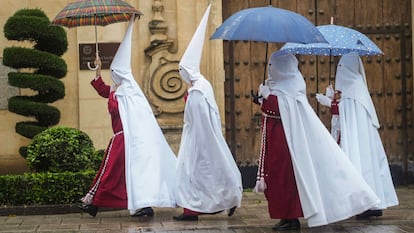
[{"x": 251, "y": 217}]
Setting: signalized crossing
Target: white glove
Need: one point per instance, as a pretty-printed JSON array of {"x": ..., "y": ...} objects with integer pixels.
[
  {"x": 323, "y": 99},
  {"x": 330, "y": 92},
  {"x": 264, "y": 91}
]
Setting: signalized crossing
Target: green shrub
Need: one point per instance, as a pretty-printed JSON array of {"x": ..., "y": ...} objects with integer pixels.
[
  {"x": 97, "y": 159},
  {"x": 44, "y": 188},
  {"x": 61, "y": 149}
]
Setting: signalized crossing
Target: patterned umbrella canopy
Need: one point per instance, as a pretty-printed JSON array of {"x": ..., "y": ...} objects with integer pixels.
[
  {"x": 341, "y": 40},
  {"x": 94, "y": 12}
]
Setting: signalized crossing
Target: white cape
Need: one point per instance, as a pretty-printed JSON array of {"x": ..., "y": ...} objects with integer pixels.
[
  {"x": 359, "y": 129},
  {"x": 330, "y": 188},
  {"x": 149, "y": 161},
  {"x": 361, "y": 141},
  {"x": 208, "y": 179}
]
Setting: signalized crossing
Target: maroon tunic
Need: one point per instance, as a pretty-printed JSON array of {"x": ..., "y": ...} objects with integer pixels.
[
  {"x": 109, "y": 188},
  {"x": 334, "y": 107},
  {"x": 335, "y": 111},
  {"x": 281, "y": 192}
]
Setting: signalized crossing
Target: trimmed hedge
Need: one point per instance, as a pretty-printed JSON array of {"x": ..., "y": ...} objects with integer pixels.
[
  {"x": 45, "y": 63},
  {"x": 38, "y": 68},
  {"x": 34, "y": 25},
  {"x": 44, "y": 188},
  {"x": 45, "y": 114},
  {"x": 49, "y": 90}
]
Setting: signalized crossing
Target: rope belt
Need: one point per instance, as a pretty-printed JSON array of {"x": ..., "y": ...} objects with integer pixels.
[
  {"x": 118, "y": 133},
  {"x": 271, "y": 116},
  {"x": 260, "y": 181}
]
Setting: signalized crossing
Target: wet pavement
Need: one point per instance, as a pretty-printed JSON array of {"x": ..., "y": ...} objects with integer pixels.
[{"x": 252, "y": 217}]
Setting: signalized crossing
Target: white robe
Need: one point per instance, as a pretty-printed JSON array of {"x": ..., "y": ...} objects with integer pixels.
[
  {"x": 361, "y": 141},
  {"x": 149, "y": 161},
  {"x": 208, "y": 179},
  {"x": 359, "y": 130},
  {"x": 330, "y": 188}
]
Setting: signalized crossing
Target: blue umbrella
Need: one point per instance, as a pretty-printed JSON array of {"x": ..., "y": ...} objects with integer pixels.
[
  {"x": 341, "y": 40},
  {"x": 268, "y": 24}
]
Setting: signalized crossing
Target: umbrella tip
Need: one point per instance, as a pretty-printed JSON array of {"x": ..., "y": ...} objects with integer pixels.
[{"x": 332, "y": 20}]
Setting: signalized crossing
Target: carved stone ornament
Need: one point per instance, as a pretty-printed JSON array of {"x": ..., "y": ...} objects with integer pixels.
[{"x": 165, "y": 88}]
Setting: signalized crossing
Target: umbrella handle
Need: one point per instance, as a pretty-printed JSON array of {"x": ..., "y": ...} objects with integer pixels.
[
  {"x": 255, "y": 96},
  {"x": 92, "y": 68},
  {"x": 96, "y": 49},
  {"x": 96, "y": 65}
]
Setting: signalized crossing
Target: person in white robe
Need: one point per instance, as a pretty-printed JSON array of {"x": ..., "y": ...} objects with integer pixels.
[
  {"x": 330, "y": 188},
  {"x": 149, "y": 161},
  {"x": 360, "y": 138},
  {"x": 208, "y": 179}
]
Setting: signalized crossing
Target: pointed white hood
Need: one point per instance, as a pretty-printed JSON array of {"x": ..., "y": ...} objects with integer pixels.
[
  {"x": 190, "y": 62},
  {"x": 189, "y": 66},
  {"x": 121, "y": 71}
]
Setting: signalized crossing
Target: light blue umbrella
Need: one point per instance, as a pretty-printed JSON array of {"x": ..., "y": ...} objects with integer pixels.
[{"x": 341, "y": 40}]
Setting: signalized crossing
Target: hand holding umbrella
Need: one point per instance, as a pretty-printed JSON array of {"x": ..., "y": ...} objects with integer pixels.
[{"x": 98, "y": 65}]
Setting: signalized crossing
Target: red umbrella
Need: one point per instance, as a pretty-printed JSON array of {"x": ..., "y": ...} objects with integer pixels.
[{"x": 95, "y": 12}]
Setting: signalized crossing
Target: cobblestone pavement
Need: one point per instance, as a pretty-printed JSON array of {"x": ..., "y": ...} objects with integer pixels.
[{"x": 252, "y": 217}]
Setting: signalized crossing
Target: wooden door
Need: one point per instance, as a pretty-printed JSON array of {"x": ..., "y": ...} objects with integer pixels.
[{"x": 389, "y": 76}]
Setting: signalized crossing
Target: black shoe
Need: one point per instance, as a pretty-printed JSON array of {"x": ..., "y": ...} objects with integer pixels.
[
  {"x": 217, "y": 212},
  {"x": 231, "y": 211},
  {"x": 183, "y": 217},
  {"x": 90, "y": 209},
  {"x": 287, "y": 225},
  {"x": 282, "y": 221},
  {"x": 368, "y": 214},
  {"x": 147, "y": 211}
]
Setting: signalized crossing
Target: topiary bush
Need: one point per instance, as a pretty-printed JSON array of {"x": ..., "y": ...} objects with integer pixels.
[
  {"x": 61, "y": 149},
  {"x": 38, "y": 68}
]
